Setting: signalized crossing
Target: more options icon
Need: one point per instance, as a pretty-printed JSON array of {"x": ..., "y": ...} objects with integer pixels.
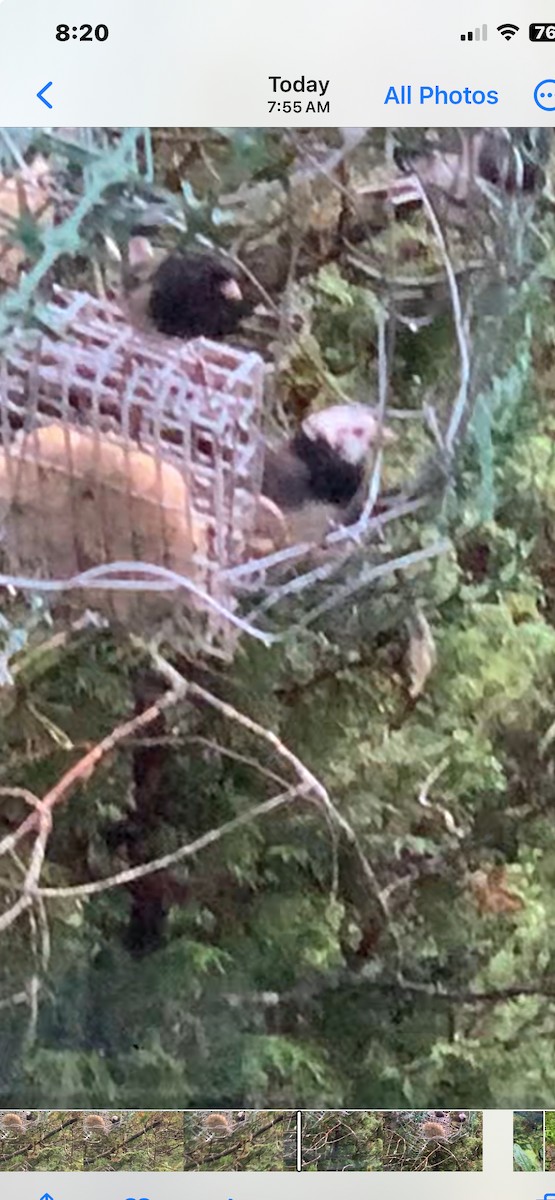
[{"x": 544, "y": 95}]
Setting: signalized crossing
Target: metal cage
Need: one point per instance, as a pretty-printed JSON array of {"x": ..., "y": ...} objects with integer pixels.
[{"x": 91, "y": 402}]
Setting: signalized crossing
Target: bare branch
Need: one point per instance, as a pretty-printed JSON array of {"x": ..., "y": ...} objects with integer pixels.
[
  {"x": 175, "y": 856},
  {"x": 464, "y": 353},
  {"x": 369, "y": 574},
  {"x": 376, "y": 475},
  {"x": 78, "y": 774},
  {"x": 346, "y": 535},
  {"x": 143, "y": 577}
]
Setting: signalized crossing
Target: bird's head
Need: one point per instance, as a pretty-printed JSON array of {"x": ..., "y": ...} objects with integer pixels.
[
  {"x": 348, "y": 429},
  {"x": 143, "y": 259},
  {"x": 223, "y": 279}
]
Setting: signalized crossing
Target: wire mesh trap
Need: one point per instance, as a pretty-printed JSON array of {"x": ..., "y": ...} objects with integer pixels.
[{"x": 130, "y": 464}]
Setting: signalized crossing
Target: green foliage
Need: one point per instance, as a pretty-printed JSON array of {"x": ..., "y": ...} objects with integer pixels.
[
  {"x": 525, "y": 1160},
  {"x": 114, "y": 165},
  {"x": 345, "y": 1141},
  {"x": 549, "y": 1140},
  {"x": 528, "y": 1149},
  {"x": 345, "y": 323}
]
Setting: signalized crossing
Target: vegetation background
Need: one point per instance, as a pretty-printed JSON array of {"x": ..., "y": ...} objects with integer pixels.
[
  {"x": 528, "y": 1149},
  {"x": 408, "y": 956},
  {"x": 549, "y": 1140},
  {"x": 343, "y": 1140},
  {"x": 152, "y": 1141},
  {"x": 407, "y": 1145}
]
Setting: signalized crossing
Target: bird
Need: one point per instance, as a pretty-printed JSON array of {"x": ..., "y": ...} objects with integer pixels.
[
  {"x": 99, "y": 1124},
  {"x": 184, "y": 293},
  {"x": 14, "y": 1124},
  {"x": 315, "y": 478},
  {"x": 72, "y": 499},
  {"x": 218, "y": 1124},
  {"x": 433, "y": 1131}
]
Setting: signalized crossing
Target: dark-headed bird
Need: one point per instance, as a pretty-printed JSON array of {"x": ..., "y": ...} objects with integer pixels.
[
  {"x": 316, "y": 477},
  {"x": 185, "y": 294}
]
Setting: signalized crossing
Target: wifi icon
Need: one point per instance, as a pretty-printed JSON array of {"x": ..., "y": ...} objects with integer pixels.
[{"x": 507, "y": 30}]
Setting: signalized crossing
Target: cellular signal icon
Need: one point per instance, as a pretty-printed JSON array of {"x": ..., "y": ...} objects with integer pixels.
[
  {"x": 507, "y": 30},
  {"x": 480, "y": 34}
]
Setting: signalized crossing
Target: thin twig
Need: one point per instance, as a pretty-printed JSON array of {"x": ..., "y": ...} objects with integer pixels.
[
  {"x": 235, "y": 756},
  {"x": 17, "y": 998},
  {"x": 308, "y": 781},
  {"x": 154, "y": 578},
  {"x": 319, "y": 984},
  {"x": 14, "y": 150},
  {"x": 376, "y": 474},
  {"x": 429, "y": 781},
  {"x": 347, "y": 534},
  {"x": 79, "y": 774},
  {"x": 369, "y": 574},
  {"x": 165, "y": 861},
  {"x": 464, "y": 353},
  {"x": 423, "y": 798},
  {"x": 238, "y": 262}
]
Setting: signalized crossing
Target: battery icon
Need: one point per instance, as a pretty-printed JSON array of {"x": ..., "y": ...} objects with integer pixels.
[{"x": 542, "y": 33}]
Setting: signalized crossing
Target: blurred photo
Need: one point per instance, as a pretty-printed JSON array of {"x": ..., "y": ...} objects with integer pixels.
[{"x": 277, "y": 636}]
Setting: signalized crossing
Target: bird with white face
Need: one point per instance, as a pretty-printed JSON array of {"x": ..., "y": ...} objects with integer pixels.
[{"x": 315, "y": 476}]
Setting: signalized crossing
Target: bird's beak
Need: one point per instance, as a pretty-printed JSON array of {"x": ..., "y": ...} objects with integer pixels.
[
  {"x": 139, "y": 251},
  {"x": 230, "y": 290}
]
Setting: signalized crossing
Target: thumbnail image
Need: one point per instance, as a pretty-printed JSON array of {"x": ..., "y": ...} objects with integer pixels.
[
  {"x": 528, "y": 1141},
  {"x": 49, "y": 1141},
  {"x": 549, "y": 1161},
  {"x": 436, "y": 1140},
  {"x": 134, "y": 1141},
  {"x": 277, "y": 634},
  {"x": 240, "y": 1141},
  {"x": 342, "y": 1141},
  {"x": 92, "y": 1141},
  {"x": 17, "y": 1139}
]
